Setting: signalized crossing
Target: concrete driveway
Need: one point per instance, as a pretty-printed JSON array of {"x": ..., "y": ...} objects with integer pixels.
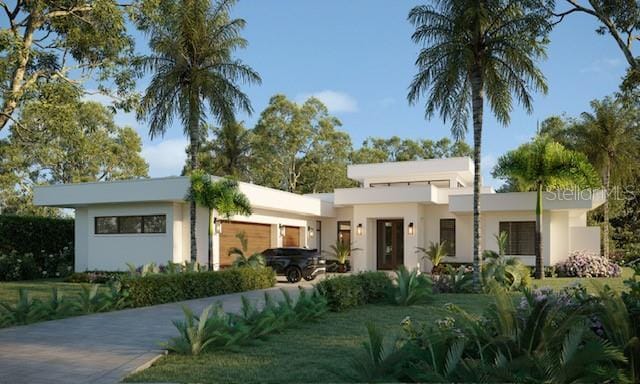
[{"x": 100, "y": 348}]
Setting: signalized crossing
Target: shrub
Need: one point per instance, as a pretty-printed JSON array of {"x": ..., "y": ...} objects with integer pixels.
[
  {"x": 95, "y": 277},
  {"x": 215, "y": 329},
  {"x": 549, "y": 339},
  {"x": 586, "y": 264},
  {"x": 35, "y": 235},
  {"x": 454, "y": 280},
  {"x": 19, "y": 266},
  {"x": 410, "y": 287},
  {"x": 501, "y": 272},
  {"x": 165, "y": 288},
  {"x": 344, "y": 292},
  {"x": 15, "y": 266}
]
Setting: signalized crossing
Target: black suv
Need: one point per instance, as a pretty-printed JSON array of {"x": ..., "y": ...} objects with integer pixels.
[{"x": 295, "y": 263}]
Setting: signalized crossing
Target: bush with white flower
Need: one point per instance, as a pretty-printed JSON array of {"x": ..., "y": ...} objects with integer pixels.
[{"x": 587, "y": 264}]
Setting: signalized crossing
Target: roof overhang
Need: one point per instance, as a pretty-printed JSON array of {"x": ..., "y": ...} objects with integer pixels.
[
  {"x": 386, "y": 195},
  {"x": 171, "y": 189},
  {"x": 526, "y": 201}
]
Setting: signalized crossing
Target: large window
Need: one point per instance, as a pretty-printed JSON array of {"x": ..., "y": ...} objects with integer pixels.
[
  {"x": 108, "y": 225},
  {"x": 520, "y": 237},
  {"x": 448, "y": 235}
]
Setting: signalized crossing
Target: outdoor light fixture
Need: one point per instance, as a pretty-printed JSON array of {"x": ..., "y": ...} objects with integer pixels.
[
  {"x": 310, "y": 230},
  {"x": 217, "y": 226},
  {"x": 282, "y": 230},
  {"x": 359, "y": 230},
  {"x": 410, "y": 229}
]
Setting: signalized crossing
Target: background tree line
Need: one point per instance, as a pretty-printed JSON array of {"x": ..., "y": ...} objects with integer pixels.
[{"x": 300, "y": 148}]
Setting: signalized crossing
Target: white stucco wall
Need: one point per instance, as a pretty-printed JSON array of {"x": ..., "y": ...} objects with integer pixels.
[{"x": 112, "y": 252}]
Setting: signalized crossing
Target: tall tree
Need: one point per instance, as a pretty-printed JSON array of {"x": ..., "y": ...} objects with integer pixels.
[
  {"x": 222, "y": 196},
  {"x": 378, "y": 150},
  {"x": 473, "y": 49},
  {"x": 610, "y": 137},
  {"x": 194, "y": 72},
  {"x": 287, "y": 139},
  {"x": 58, "y": 139},
  {"x": 68, "y": 40},
  {"x": 544, "y": 164},
  {"x": 228, "y": 153}
]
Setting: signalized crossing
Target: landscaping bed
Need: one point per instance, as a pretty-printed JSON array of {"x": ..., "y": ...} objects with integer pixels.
[{"x": 314, "y": 352}]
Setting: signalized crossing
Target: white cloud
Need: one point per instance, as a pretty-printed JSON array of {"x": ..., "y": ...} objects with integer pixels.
[
  {"x": 387, "y": 102},
  {"x": 334, "y": 100},
  {"x": 601, "y": 65},
  {"x": 165, "y": 158}
]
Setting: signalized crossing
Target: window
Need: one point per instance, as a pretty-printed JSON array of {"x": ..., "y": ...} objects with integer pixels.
[
  {"x": 107, "y": 225},
  {"x": 448, "y": 235},
  {"x": 520, "y": 237}
]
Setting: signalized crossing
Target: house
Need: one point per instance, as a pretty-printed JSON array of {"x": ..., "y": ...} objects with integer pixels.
[{"x": 396, "y": 208}]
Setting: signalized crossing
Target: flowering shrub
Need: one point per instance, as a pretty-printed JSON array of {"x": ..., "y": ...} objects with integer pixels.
[
  {"x": 26, "y": 266},
  {"x": 586, "y": 264}
]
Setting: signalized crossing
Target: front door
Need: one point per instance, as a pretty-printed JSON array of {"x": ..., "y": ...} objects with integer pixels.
[{"x": 390, "y": 244}]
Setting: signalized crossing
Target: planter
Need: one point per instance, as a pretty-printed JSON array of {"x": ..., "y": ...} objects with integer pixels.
[{"x": 342, "y": 268}]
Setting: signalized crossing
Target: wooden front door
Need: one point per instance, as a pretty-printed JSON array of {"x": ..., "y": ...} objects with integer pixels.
[
  {"x": 291, "y": 237},
  {"x": 390, "y": 245}
]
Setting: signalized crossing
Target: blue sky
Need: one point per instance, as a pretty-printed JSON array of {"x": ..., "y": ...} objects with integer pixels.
[{"x": 357, "y": 56}]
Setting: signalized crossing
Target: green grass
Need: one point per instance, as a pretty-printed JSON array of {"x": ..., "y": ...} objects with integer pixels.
[
  {"x": 40, "y": 289},
  {"x": 314, "y": 352},
  {"x": 615, "y": 283}
]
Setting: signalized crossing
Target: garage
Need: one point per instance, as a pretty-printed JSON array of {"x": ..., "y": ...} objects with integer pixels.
[
  {"x": 258, "y": 239},
  {"x": 291, "y": 237}
]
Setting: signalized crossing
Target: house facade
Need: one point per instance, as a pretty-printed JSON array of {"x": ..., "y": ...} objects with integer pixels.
[{"x": 396, "y": 208}]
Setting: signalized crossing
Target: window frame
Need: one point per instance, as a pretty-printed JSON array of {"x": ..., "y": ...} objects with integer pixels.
[
  {"x": 515, "y": 241},
  {"x": 118, "y": 225},
  {"x": 450, "y": 245}
]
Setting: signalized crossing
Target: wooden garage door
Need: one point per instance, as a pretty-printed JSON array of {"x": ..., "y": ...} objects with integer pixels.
[
  {"x": 258, "y": 239},
  {"x": 291, "y": 237}
]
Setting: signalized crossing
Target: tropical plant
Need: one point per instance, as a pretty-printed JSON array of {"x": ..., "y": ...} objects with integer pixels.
[
  {"x": 193, "y": 44},
  {"x": 200, "y": 333},
  {"x": 410, "y": 287},
  {"x": 242, "y": 260},
  {"x": 56, "y": 307},
  {"x": 435, "y": 253},
  {"x": 453, "y": 280},
  {"x": 544, "y": 164},
  {"x": 223, "y": 196},
  {"x": 378, "y": 360},
  {"x": 24, "y": 311},
  {"x": 472, "y": 49},
  {"x": 341, "y": 251},
  {"x": 215, "y": 329},
  {"x": 610, "y": 137},
  {"x": 548, "y": 338},
  {"x": 501, "y": 271},
  {"x": 228, "y": 153},
  {"x": 91, "y": 300}
]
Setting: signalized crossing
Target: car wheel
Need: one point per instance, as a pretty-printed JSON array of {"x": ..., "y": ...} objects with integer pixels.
[
  {"x": 294, "y": 275},
  {"x": 310, "y": 277}
]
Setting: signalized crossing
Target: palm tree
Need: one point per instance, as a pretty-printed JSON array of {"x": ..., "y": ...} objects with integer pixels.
[
  {"x": 228, "y": 154},
  {"x": 222, "y": 196},
  {"x": 544, "y": 164},
  {"x": 475, "y": 48},
  {"x": 193, "y": 64},
  {"x": 243, "y": 259},
  {"x": 610, "y": 137}
]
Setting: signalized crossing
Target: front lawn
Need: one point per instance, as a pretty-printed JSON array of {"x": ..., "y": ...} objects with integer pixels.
[
  {"x": 38, "y": 289},
  {"x": 314, "y": 352},
  {"x": 616, "y": 283}
]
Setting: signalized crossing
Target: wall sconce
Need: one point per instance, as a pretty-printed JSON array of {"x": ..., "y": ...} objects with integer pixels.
[
  {"x": 310, "y": 231},
  {"x": 217, "y": 226},
  {"x": 359, "y": 230},
  {"x": 410, "y": 230},
  {"x": 282, "y": 230}
]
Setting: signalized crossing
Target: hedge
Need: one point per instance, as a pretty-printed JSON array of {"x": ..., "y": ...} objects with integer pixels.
[
  {"x": 32, "y": 234},
  {"x": 344, "y": 292},
  {"x": 166, "y": 288}
]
